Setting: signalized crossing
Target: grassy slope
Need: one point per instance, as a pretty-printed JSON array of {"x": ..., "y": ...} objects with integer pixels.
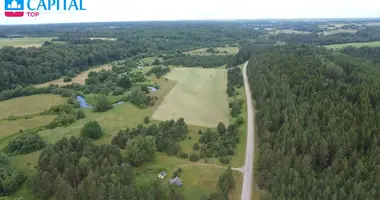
[
  {"x": 199, "y": 96},
  {"x": 29, "y": 105}
]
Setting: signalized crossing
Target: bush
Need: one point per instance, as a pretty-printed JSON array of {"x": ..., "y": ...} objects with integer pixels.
[
  {"x": 224, "y": 160},
  {"x": 189, "y": 138},
  {"x": 183, "y": 155},
  {"x": 194, "y": 157},
  {"x": 25, "y": 144},
  {"x": 146, "y": 120},
  {"x": 92, "y": 130},
  {"x": 239, "y": 121},
  {"x": 102, "y": 104},
  {"x": 67, "y": 79},
  {"x": 196, "y": 146},
  {"x": 80, "y": 114}
]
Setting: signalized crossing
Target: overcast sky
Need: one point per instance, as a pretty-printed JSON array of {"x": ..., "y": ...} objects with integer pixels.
[{"x": 143, "y": 10}]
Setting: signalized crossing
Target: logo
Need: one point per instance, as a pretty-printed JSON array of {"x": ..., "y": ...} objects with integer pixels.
[
  {"x": 14, "y": 8},
  {"x": 33, "y": 8}
]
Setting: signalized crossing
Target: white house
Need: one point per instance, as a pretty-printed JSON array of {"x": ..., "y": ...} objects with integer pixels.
[
  {"x": 162, "y": 175},
  {"x": 140, "y": 68}
]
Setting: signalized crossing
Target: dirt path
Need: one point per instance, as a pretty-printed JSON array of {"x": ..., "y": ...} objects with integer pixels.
[{"x": 249, "y": 154}]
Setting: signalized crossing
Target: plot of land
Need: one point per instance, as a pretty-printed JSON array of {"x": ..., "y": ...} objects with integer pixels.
[
  {"x": 29, "y": 105},
  {"x": 24, "y": 42},
  {"x": 80, "y": 78},
  {"x": 10, "y": 127},
  {"x": 362, "y": 44},
  {"x": 275, "y": 31},
  {"x": 199, "y": 97},
  {"x": 222, "y": 51},
  {"x": 331, "y": 32}
]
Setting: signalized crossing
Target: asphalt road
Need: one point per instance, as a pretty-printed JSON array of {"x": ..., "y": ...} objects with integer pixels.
[{"x": 249, "y": 154}]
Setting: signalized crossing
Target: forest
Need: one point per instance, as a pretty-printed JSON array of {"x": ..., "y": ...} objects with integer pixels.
[
  {"x": 317, "y": 123},
  {"x": 198, "y": 61}
]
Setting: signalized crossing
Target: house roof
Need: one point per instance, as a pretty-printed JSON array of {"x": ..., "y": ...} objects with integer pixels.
[
  {"x": 163, "y": 173},
  {"x": 176, "y": 181}
]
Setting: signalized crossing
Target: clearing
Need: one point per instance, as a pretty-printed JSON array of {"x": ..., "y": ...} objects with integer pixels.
[
  {"x": 274, "y": 31},
  {"x": 29, "y": 105},
  {"x": 80, "y": 78},
  {"x": 24, "y": 42},
  {"x": 222, "y": 51},
  {"x": 359, "y": 44},
  {"x": 199, "y": 97}
]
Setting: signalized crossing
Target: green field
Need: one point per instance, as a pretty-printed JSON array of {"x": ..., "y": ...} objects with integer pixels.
[
  {"x": 13, "y": 126},
  {"x": 24, "y": 42},
  {"x": 199, "y": 97},
  {"x": 362, "y": 44},
  {"x": 29, "y": 105},
  {"x": 223, "y": 50}
]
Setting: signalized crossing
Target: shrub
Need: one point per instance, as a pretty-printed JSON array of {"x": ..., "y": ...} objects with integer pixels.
[
  {"x": 80, "y": 114},
  {"x": 189, "y": 138},
  {"x": 92, "y": 130},
  {"x": 146, "y": 119},
  {"x": 183, "y": 155},
  {"x": 224, "y": 160},
  {"x": 239, "y": 121},
  {"x": 196, "y": 146},
  {"x": 102, "y": 104},
  {"x": 194, "y": 157},
  {"x": 25, "y": 144},
  {"x": 67, "y": 79}
]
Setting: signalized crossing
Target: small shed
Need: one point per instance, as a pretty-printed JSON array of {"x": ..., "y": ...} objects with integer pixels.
[
  {"x": 162, "y": 175},
  {"x": 177, "y": 181}
]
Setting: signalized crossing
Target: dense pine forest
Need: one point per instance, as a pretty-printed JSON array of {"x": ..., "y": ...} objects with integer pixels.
[{"x": 317, "y": 121}]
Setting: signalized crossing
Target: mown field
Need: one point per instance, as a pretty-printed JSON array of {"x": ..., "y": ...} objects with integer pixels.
[
  {"x": 24, "y": 42},
  {"x": 199, "y": 96},
  {"x": 222, "y": 51},
  {"x": 28, "y": 105},
  {"x": 362, "y": 44},
  {"x": 80, "y": 78}
]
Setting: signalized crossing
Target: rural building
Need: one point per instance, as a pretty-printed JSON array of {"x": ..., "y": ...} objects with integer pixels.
[
  {"x": 177, "y": 181},
  {"x": 162, "y": 175},
  {"x": 140, "y": 68}
]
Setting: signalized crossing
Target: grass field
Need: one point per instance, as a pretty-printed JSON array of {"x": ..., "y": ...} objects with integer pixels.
[
  {"x": 202, "y": 51},
  {"x": 199, "y": 96},
  {"x": 24, "y": 42},
  {"x": 362, "y": 44},
  {"x": 80, "y": 78},
  {"x": 29, "y": 105},
  {"x": 10, "y": 127},
  {"x": 331, "y": 32}
]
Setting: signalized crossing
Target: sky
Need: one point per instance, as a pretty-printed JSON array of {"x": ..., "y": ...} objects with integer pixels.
[{"x": 151, "y": 10}]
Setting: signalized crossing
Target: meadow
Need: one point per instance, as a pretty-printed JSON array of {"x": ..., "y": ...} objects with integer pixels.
[
  {"x": 80, "y": 78},
  {"x": 29, "y": 105},
  {"x": 199, "y": 96},
  {"x": 222, "y": 50},
  {"x": 103, "y": 38},
  {"x": 360, "y": 44},
  {"x": 24, "y": 42}
]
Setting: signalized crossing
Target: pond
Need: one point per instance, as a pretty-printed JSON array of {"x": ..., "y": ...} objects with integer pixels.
[
  {"x": 83, "y": 103},
  {"x": 152, "y": 89}
]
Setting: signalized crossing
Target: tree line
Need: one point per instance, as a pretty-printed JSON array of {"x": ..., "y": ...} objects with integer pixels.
[
  {"x": 316, "y": 120},
  {"x": 198, "y": 61}
]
